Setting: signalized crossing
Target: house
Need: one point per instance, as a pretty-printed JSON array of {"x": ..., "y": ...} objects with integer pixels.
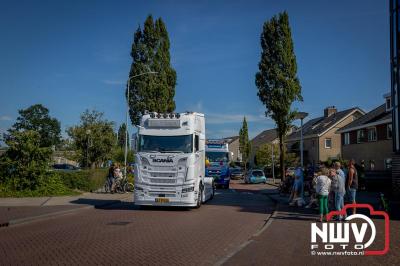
[
  {"x": 267, "y": 136},
  {"x": 369, "y": 138},
  {"x": 321, "y": 141},
  {"x": 233, "y": 146}
]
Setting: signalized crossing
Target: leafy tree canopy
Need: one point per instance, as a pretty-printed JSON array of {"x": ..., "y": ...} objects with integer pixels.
[
  {"x": 150, "y": 51},
  {"x": 93, "y": 138},
  {"x": 37, "y": 118},
  {"x": 25, "y": 163},
  {"x": 277, "y": 81}
]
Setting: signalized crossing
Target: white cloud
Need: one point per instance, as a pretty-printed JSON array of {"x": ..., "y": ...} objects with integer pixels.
[{"x": 5, "y": 118}]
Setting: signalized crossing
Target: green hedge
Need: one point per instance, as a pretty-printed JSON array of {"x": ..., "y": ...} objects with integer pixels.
[
  {"x": 84, "y": 180},
  {"x": 51, "y": 185}
]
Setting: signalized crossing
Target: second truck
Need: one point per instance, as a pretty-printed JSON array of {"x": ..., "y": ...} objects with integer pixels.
[{"x": 218, "y": 159}]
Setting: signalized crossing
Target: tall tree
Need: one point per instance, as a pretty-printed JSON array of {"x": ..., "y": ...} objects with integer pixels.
[
  {"x": 93, "y": 138},
  {"x": 244, "y": 143},
  {"x": 37, "y": 118},
  {"x": 277, "y": 81},
  {"x": 122, "y": 136},
  {"x": 150, "y": 51}
]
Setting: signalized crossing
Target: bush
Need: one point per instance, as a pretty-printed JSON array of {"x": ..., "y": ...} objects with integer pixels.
[
  {"x": 50, "y": 186},
  {"x": 24, "y": 168},
  {"x": 84, "y": 180}
]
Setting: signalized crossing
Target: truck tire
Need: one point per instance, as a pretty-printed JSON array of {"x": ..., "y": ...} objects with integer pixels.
[
  {"x": 199, "y": 197},
  {"x": 213, "y": 191}
]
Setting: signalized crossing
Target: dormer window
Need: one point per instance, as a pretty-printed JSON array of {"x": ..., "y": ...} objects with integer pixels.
[{"x": 388, "y": 104}]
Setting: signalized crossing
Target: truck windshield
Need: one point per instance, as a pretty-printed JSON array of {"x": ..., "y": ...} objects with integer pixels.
[
  {"x": 148, "y": 143},
  {"x": 215, "y": 156}
]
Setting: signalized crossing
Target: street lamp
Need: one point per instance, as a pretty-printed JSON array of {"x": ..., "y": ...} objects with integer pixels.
[
  {"x": 127, "y": 114},
  {"x": 301, "y": 116}
]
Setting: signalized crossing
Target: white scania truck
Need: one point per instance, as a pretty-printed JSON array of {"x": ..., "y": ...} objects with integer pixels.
[{"x": 170, "y": 161}]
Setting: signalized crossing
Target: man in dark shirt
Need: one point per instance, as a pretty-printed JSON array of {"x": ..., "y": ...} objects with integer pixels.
[{"x": 352, "y": 183}]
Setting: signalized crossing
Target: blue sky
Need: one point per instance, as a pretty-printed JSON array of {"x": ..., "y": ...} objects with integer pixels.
[{"x": 74, "y": 55}]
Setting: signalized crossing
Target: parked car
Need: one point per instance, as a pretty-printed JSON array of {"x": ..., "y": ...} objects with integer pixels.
[
  {"x": 65, "y": 167},
  {"x": 255, "y": 176},
  {"x": 237, "y": 173}
]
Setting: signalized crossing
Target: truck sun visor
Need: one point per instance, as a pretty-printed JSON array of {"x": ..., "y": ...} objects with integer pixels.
[{"x": 164, "y": 123}]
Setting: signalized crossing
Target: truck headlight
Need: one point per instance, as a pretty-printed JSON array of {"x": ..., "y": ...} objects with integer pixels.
[{"x": 187, "y": 189}]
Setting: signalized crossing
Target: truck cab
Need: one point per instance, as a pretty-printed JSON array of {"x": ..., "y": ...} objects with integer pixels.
[
  {"x": 218, "y": 158},
  {"x": 170, "y": 160}
]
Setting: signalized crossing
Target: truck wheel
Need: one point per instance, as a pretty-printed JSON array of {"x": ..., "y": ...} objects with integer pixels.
[
  {"x": 213, "y": 191},
  {"x": 199, "y": 197}
]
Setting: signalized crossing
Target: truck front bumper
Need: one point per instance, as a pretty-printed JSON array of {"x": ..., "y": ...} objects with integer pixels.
[{"x": 165, "y": 196}]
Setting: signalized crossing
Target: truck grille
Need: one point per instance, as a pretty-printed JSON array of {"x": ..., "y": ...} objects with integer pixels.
[
  {"x": 162, "y": 181},
  {"x": 160, "y": 174},
  {"x": 163, "y": 168}
]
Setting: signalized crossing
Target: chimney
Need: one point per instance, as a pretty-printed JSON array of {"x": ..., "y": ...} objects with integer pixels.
[{"x": 330, "y": 110}]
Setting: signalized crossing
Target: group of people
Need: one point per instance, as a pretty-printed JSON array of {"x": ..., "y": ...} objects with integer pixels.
[
  {"x": 114, "y": 174},
  {"x": 328, "y": 185},
  {"x": 333, "y": 184}
]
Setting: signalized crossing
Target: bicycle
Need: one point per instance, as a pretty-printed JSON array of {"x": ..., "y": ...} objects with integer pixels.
[
  {"x": 123, "y": 186},
  {"x": 107, "y": 186}
]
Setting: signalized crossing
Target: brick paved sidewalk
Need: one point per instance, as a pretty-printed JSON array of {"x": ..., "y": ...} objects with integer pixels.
[
  {"x": 17, "y": 210},
  {"x": 286, "y": 241}
]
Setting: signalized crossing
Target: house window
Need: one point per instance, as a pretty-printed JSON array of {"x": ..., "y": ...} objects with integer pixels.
[
  {"x": 372, "y": 134},
  {"x": 389, "y": 131},
  {"x": 388, "y": 163},
  {"x": 360, "y": 136},
  {"x": 328, "y": 143},
  {"x": 346, "y": 138},
  {"x": 388, "y": 104}
]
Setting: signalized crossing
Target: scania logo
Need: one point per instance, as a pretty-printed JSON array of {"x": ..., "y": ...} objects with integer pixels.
[{"x": 159, "y": 160}]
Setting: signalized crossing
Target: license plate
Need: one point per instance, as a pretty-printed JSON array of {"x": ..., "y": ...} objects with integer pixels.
[{"x": 162, "y": 200}]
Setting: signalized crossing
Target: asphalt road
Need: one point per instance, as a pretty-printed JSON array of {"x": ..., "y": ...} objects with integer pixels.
[{"x": 124, "y": 234}]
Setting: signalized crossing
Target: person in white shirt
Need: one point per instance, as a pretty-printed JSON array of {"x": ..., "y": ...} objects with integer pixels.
[
  {"x": 322, "y": 188},
  {"x": 340, "y": 188}
]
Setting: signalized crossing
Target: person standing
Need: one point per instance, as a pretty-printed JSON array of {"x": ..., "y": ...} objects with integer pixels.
[
  {"x": 322, "y": 189},
  {"x": 352, "y": 183},
  {"x": 340, "y": 189},
  {"x": 110, "y": 177}
]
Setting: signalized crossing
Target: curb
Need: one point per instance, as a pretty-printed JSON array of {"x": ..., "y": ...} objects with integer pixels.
[
  {"x": 55, "y": 214},
  {"x": 272, "y": 184}
]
